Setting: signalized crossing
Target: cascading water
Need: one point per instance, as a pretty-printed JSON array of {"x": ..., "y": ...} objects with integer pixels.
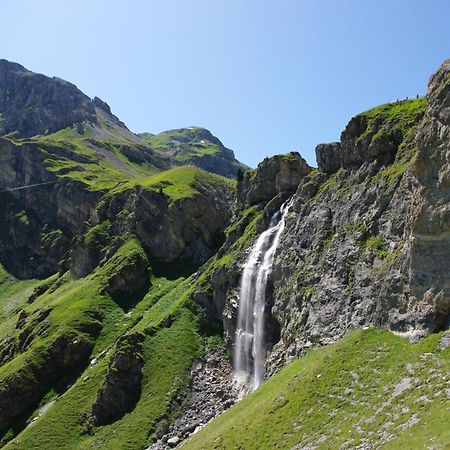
[{"x": 249, "y": 346}]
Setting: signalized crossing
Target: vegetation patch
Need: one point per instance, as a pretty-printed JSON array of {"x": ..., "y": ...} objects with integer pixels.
[
  {"x": 167, "y": 320},
  {"x": 13, "y": 294},
  {"x": 184, "y": 143},
  {"x": 376, "y": 244},
  {"x": 326, "y": 185},
  {"x": 178, "y": 183},
  {"x": 345, "y": 395},
  {"x": 356, "y": 227}
]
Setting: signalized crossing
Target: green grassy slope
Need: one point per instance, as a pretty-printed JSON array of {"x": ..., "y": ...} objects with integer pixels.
[
  {"x": 96, "y": 160},
  {"x": 13, "y": 293},
  {"x": 195, "y": 145},
  {"x": 372, "y": 387},
  {"x": 184, "y": 143},
  {"x": 177, "y": 183},
  {"x": 173, "y": 341}
]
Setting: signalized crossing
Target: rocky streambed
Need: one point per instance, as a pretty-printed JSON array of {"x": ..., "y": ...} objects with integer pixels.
[{"x": 211, "y": 391}]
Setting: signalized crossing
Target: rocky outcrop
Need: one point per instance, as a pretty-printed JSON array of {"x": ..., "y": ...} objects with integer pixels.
[
  {"x": 329, "y": 157},
  {"x": 130, "y": 277},
  {"x": 65, "y": 357},
  {"x": 430, "y": 213},
  {"x": 185, "y": 232},
  {"x": 374, "y": 135},
  {"x": 218, "y": 288},
  {"x": 28, "y": 327},
  {"x": 221, "y": 163},
  {"x": 122, "y": 386},
  {"x": 365, "y": 239},
  {"x": 279, "y": 174},
  {"x": 38, "y": 223},
  {"x": 365, "y": 243},
  {"x": 32, "y": 104}
]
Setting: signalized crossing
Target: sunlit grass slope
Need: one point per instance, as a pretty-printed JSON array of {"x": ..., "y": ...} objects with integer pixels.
[{"x": 371, "y": 388}]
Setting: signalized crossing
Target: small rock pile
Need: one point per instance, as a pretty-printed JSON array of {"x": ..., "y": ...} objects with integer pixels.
[{"x": 210, "y": 393}]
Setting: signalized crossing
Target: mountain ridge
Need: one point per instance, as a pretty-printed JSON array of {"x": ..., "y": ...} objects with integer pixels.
[
  {"x": 34, "y": 105},
  {"x": 120, "y": 287}
]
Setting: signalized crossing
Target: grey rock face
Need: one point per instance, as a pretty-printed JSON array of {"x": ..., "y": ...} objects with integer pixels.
[
  {"x": 373, "y": 135},
  {"x": 270, "y": 185},
  {"x": 430, "y": 215},
  {"x": 185, "y": 232},
  {"x": 121, "y": 389},
  {"x": 369, "y": 247},
  {"x": 279, "y": 174},
  {"x": 33, "y": 104},
  {"x": 366, "y": 240},
  {"x": 329, "y": 157},
  {"x": 37, "y": 224}
]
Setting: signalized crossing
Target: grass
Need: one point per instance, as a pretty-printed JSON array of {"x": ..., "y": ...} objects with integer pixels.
[
  {"x": 404, "y": 117},
  {"x": 178, "y": 183},
  {"x": 78, "y": 309},
  {"x": 165, "y": 316},
  {"x": 407, "y": 110},
  {"x": 394, "y": 171},
  {"x": 81, "y": 157},
  {"x": 364, "y": 389},
  {"x": 68, "y": 155},
  {"x": 182, "y": 143},
  {"x": 376, "y": 244},
  {"x": 168, "y": 357},
  {"x": 356, "y": 227},
  {"x": 327, "y": 185},
  {"x": 382, "y": 122},
  {"x": 13, "y": 294},
  {"x": 195, "y": 146},
  {"x": 168, "y": 352}
]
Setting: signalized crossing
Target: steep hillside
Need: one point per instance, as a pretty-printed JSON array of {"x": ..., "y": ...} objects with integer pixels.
[
  {"x": 196, "y": 146},
  {"x": 365, "y": 244},
  {"x": 358, "y": 248},
  {"x": 114, "y": 324},
  {"x": 370, "y": 390},
  {"x": 99, "y": 238},
  {"x": 54, "y": 113}
]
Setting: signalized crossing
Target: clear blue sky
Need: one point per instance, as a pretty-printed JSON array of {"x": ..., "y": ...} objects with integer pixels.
[{"x": 264, "y": 76}]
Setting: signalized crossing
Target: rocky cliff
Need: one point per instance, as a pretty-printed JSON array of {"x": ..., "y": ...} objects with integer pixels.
[
  {"x": 364, "y": 243},
  {"x": 32, "y": 104}
]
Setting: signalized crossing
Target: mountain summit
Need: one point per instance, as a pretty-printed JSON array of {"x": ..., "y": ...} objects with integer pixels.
[{"x": 34, "y": 105}]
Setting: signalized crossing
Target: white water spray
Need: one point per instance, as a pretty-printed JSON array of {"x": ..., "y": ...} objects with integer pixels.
[{"x": 249, "y": 346}]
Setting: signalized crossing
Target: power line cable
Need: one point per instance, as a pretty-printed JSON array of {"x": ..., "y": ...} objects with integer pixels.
[{"x": 18, "y": 188}]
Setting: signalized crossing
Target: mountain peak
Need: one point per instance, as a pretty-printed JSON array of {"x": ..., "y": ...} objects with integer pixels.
[{"x": 32, "y": 104}]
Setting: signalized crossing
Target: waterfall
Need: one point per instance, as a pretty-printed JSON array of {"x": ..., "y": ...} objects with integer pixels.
[{"x": 249, "y": 346}]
